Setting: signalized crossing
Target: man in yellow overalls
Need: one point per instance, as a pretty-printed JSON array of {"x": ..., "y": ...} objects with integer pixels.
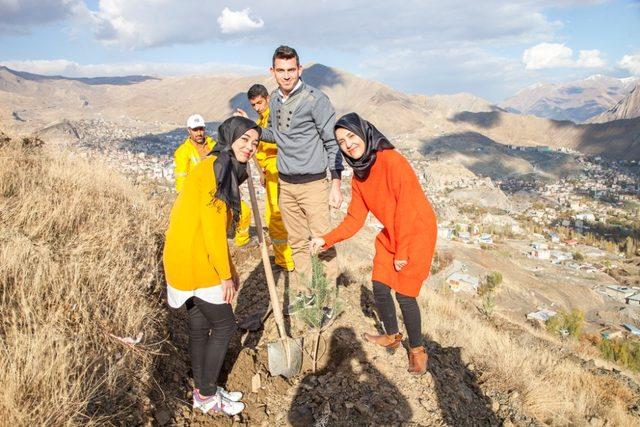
[
  {"x": 189, "y": 153},
  {"x": 266, "y": 159}
]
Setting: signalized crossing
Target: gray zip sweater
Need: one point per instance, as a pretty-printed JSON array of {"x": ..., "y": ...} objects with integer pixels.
[{"x": 302, "y": 128}]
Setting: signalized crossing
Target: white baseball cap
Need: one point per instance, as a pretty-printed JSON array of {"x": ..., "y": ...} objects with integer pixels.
[{"x": 195, "y": 121}]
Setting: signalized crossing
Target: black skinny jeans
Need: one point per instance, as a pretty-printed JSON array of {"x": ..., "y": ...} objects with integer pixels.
[
  {"x": 387, "y": 312},
  {"x": 211, "y": 327}
]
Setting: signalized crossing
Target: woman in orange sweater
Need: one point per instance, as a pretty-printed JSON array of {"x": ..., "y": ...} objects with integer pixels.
[
  {"x": 197, "y": 263},
  {"x": 385, "y": 185}
]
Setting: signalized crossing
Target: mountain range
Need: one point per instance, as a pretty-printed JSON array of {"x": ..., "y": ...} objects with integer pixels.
[
  {"x": 627, "y": 108},
  {"x": 30, "y": 103},
  {"x": 577, "y": 101}
]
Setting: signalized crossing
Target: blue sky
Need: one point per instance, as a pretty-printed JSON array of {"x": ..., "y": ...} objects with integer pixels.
[{"x": 490, "y": 48}]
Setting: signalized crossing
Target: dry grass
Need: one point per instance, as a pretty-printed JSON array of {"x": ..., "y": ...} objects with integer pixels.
[
  {"x": 552, "y": 388},
  {"x": 79, "y": 260}
]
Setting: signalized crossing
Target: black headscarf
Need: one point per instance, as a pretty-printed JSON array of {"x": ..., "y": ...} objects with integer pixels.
[
  {"x": 373, "y": 139},
  {"x": 229, "y": 172}
]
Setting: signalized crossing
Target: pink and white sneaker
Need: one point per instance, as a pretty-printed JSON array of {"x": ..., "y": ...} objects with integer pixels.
[
  {"x": 234, "y": 396},
  {"x": 218, "y": 403}
]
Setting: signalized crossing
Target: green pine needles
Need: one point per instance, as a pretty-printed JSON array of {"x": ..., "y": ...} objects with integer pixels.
[{"x": 324, "y": 306}]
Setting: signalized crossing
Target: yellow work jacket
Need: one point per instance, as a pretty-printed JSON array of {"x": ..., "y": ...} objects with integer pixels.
[
  {"x": 196, "y": 253},
  {"x": 267, "y": 151},
  {"x": 185, "y": 158}
]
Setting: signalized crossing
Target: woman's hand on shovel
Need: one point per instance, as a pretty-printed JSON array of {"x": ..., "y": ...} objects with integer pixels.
[{"x": 228, "y": 290}]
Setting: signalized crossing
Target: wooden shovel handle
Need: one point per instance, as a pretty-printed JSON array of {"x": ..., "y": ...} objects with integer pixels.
[{"x": 271, "y": 283}]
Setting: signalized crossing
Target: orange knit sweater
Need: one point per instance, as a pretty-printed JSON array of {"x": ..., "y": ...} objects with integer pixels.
[{"x": 393, "y": 194}]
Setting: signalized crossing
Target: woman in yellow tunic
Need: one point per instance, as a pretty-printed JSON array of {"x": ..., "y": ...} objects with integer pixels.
[{"x": 197, "y": 264}]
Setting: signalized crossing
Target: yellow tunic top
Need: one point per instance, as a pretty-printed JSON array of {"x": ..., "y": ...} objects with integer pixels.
[
  {"x": 185, "y": 158},
  {"x": 196, "y": 253},
  {"x": 267, "y": 151}
]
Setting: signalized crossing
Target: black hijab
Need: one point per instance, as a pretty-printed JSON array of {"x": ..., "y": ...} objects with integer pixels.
[
  {"x": 373, "y": 139},
  {"x": 229, "y": 172}
]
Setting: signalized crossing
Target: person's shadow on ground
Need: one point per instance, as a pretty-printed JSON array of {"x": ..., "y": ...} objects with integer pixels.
[
  {"x": 349, "y": 390},
  {"x": 460, "y": 398},
  {"x": 253, "y": 303},
  {"x": 252, "y": 310},
  {"x": 368, "y": 307}
]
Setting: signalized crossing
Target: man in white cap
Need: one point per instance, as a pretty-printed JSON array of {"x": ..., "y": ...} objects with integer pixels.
[{"x": 195, "y": 148}]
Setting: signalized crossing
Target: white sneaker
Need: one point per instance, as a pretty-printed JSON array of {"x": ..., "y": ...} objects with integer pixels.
[
  {"x": 233, "y": 396},
  {"x": 228, "y": 407},
  {"x": 200, "y": 401},
  {"x": 217, "y": 404}
]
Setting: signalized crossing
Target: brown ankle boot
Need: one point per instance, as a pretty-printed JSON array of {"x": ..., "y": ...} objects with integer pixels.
[
  {"x": 417, "y": 360},
  {"x": 390, "y": 342}
]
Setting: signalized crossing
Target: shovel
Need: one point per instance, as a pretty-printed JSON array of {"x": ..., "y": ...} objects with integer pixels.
[{"x": 285, "y": 354}]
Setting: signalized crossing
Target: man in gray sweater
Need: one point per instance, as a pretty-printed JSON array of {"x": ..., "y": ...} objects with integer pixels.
[{"x": 301, "y": 123}]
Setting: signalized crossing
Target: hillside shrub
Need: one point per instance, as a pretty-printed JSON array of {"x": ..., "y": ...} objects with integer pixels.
[
  {"x": 566, "y": 323},
  {"x": 622, "y": 351}
]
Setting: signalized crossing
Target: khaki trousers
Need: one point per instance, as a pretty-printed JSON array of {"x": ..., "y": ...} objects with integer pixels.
[{"x": 305, "y": 212}]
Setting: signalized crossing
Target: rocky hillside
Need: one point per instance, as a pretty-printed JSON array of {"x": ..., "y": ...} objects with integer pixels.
[
  {"x": 576, "y": 101},
  {"x": 627, "y": 108}
]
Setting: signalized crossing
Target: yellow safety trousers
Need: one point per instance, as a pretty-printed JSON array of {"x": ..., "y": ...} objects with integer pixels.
[
  {"x": 273, "y": 219},
  {"x": 242, "y": 228}
]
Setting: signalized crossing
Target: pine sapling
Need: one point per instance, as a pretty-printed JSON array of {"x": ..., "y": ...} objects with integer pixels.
[{"x": 325, "y": 306}]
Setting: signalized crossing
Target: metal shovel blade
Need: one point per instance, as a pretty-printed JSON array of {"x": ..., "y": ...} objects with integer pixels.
[{"x": 285, "y": 357}]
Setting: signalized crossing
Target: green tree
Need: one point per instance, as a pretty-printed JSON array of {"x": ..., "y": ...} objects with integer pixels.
[
  {"x": 486, "y": 291},
  {"x": 566, "y": 323},
  {"x": 494, "y": 278},
  {"x": 490, "y": 283},
  {"x": 326, "y": 306},
  {"x": 623, "y": 351},
  {"x": 488, "y": 304}
]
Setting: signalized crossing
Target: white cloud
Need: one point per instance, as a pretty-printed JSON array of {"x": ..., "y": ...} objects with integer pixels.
[
  {"x": 547, "y": 55},
  {"x": 427, "y": 28},
  {"x": 590, "y": 59},
  {"x": 557, "y": 55},
  {"x": 18, "y": 16},
  {"x": 448, "y": 42},
  {"x": 238, "y": 22},
  {"x": 46, "y": 67},
  {"x": 130, "y": 24},
  {"x": 631, "y": 63},
  {"x": 147, "y": 23},
  {"x": 67, "y": 68},
  {"x": 416, "y": 22}
]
